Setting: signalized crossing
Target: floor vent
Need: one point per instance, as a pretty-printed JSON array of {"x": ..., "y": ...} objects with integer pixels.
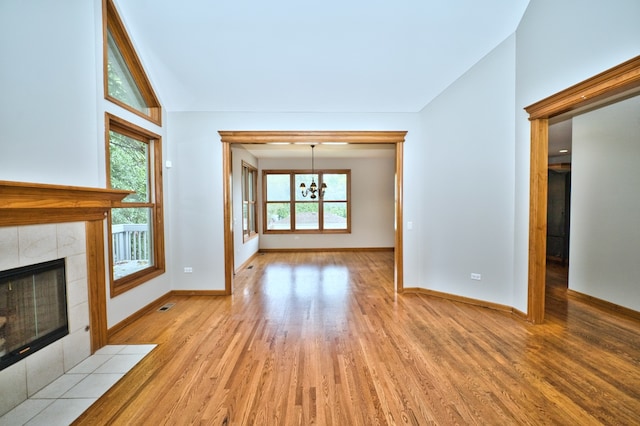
[{"x": 166, "y": 307}]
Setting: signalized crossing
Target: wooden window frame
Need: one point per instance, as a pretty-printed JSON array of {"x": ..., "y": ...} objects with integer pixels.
[
  {"x": 249, "y": 172},
  {"x": 113, "y": 24},
  {"x": 292, "y": 202},
  {"x": 119, "y": 125}
]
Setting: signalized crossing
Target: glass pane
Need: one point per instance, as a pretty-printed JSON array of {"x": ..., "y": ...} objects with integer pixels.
[
  {"x": 335, "y": 215},
  {"x": 252, "y": 189},
  {"x": 245, "y": 218},
  {"x": 278, "y": 216},
  {"x": 306, "y": 179},
  {"x": 252, "y": 218},
  {"x": 129, "y": 160},
  {"x": 131, "y": 237},
  {"x": 121, "y": 84},
  {"x": 278, "y": 187},
  {"x": 336, "y": 187},
  {"x": 307, "y": 216}
]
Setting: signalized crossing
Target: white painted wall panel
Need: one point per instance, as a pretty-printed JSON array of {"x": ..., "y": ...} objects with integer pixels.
[{"x": 605, "y": 201}]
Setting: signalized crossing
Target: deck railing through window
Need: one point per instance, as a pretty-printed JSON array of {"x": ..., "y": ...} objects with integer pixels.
[{"x": 130, "y": 242}]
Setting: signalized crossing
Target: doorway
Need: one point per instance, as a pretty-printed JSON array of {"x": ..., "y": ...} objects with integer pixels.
[
  {"x": 606, "y": 87},
  {"x": 228, "y": 138}
]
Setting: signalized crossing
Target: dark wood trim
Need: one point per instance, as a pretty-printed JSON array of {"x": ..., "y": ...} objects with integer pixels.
[
  {"x": 619, "y": 79},
  {"x": 607, "y": 86},
  {"x": 604, "y": 304},
  {"x": 111, "y": 20},
  {"x": 96, "y": 283},
  {"x": 227, "y": 201},
  {"x": 353, "y": 137},
  {"x": 398, "y": 269},
  {"x": 154, "y": 141},
  {"x": 247, "y": 262},
  {"x": 26, "y": 195},
  {"x": 24, "y": 203},
  {"x": 213, "y": 293},
  {"x": 519, "y": 314},
  {"x": 461, "y": 299},
  {"x": 15, "y": 217},
  {"x": 293, "y": 200},
  {"x": 158, "y": 303},
  {"x": 538, "y": 220},
  {"x": 139, "y": 314},
  {"x": 323, "y": 250}
]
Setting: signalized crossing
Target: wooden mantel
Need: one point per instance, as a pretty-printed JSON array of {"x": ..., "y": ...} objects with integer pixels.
[
  {"x": 35, "y": 203},
  {"x": 24, "y": 203}
]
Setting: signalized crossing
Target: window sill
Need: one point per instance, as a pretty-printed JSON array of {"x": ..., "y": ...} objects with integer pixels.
[{"x": 129, "y": 282}]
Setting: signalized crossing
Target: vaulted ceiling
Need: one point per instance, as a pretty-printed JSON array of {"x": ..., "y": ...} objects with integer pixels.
[{"x": 310, "y": 55}]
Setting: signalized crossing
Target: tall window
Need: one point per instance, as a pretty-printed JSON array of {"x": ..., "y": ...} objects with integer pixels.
[
  {"x": 126, "y": 83},
  {"x": 249, "y": 185},
  {"x": 133, "y": 162},
  {"x": 288, "y": 211},
  {"x": 136, "y": 223}
]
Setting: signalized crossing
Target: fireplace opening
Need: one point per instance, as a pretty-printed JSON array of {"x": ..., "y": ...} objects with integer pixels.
[{"x": 33, "y": 309}]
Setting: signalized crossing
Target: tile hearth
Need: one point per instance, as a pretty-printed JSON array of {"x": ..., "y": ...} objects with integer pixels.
[{"x": 61, "y": 402}]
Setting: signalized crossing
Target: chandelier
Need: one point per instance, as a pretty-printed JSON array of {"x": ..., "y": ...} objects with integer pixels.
[{"x": 313, "y": 188}]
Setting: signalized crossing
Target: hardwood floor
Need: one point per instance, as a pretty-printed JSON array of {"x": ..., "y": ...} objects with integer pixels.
[{"x": 320, "y": 338}]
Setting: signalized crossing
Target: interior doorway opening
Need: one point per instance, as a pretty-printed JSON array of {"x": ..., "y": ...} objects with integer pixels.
[
  {"x": 614, "y": 84},
  {"x": 229, "y": 138}
]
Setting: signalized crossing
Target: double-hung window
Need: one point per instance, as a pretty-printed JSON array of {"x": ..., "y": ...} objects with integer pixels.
[
  {"x": 287, "y": 210},
  {"x": 134, "y": 164},
  {"x": 249, "y": 184}
]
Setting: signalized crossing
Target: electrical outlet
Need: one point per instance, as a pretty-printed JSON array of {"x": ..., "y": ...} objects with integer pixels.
[
  {"x": 476, "y": 277},
  {"x": 188, "y": 269}
]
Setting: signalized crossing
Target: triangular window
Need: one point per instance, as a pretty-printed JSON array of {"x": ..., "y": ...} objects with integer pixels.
[{"x": 126, "y": 83}]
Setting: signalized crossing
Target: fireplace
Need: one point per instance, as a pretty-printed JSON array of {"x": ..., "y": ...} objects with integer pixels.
[{"x": 33, "y": 309}]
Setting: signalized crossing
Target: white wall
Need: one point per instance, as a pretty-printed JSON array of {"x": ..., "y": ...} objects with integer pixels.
[
  {"x": 52, "y": 108},
  {"x": 372, "y": 204},
  {"x": 605, "y": 224},
  {"x": 243, "y": 250},
  {"x": 48, "y": 81},
  {"x": 197, "y": 206},
  {"x": 468, "y": 178},
  {"x": 558, "y": 45}
]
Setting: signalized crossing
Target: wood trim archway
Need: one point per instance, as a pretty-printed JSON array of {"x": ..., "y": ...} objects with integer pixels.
[
  {"x": 618, "y": 81},
  {"x": 229, "y": 138}
]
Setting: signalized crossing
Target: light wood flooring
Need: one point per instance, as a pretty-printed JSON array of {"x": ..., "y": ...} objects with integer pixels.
[{"x": 320, "y": 338}]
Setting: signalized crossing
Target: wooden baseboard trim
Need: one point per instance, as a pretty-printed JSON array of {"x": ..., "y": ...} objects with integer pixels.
[
  {"x": 608, "y": 306},
  {"x": 138, "y": 314},
  {"x": 305, "y": 250},
  {"x": 247, "y": 262},
  {"x": 157, "y": 303},
  {"x": 519, "y": 314},
  {"x": 462, "y": 299},
  {"x": 198, "y": 293}
]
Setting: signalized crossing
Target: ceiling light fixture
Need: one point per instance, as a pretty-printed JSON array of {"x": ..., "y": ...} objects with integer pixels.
[{"x": 313, "y": 188}]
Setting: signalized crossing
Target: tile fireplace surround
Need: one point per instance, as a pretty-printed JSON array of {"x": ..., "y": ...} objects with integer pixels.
[
  {"x": 28, "y": 245},
  {"x": 42, "y": 222}
]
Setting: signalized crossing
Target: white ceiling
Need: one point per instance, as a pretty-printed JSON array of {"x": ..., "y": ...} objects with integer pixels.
[{"x": 310, "y": 55}]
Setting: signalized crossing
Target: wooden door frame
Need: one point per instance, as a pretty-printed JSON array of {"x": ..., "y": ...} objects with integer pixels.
[
  {"x": 617, "y": 82},
  {"x": 228, "y": 138}
]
